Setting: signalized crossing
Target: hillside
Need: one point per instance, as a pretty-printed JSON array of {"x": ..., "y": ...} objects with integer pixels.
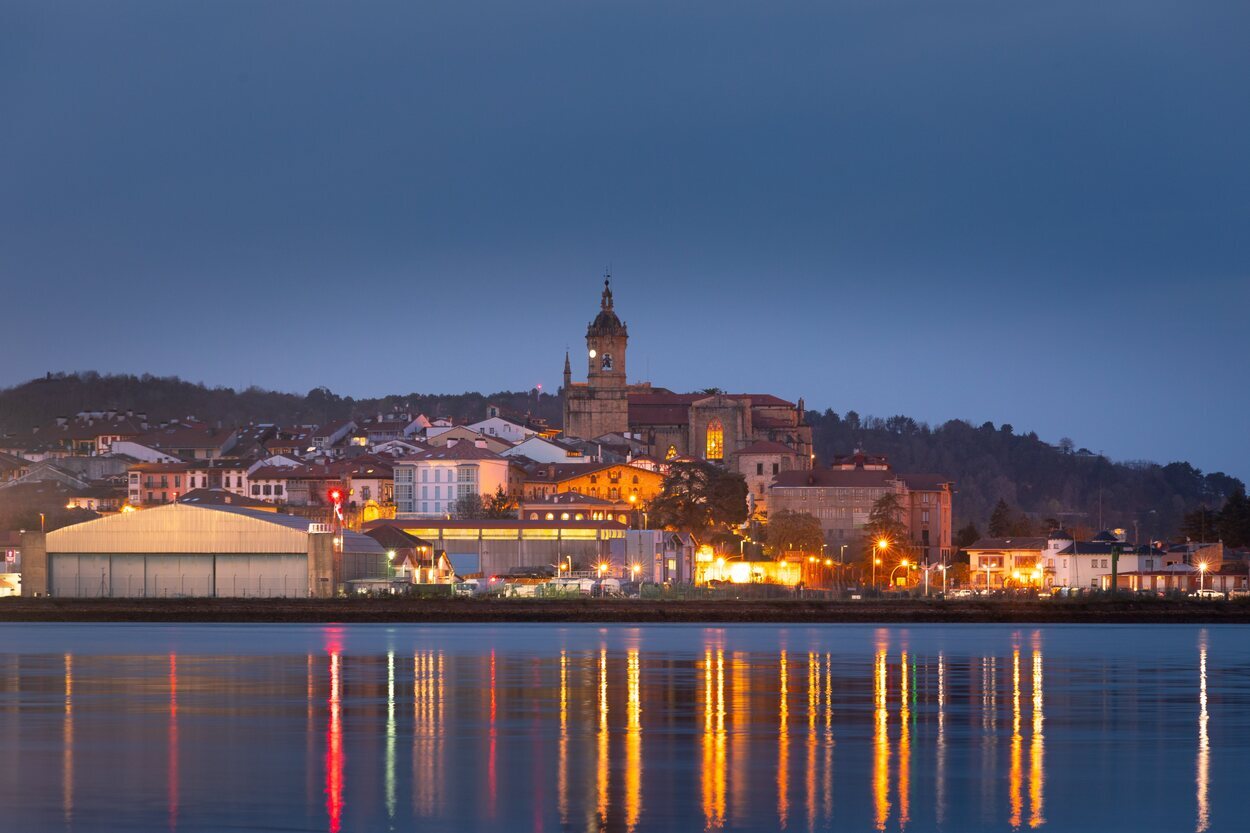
[
  {"x": 987, "y": 463},
  {"x": 40, "y": 401},
  {"x": 1068, "y": 484}
]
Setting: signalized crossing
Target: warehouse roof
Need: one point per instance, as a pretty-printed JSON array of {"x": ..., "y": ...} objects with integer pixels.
[{"x": 193, "y": 529}]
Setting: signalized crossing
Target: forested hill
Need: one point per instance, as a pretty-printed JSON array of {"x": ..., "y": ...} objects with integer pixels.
[
  {"x": 1064, "y": 482},
  {"x": 40, "y": 401},
  {"x": 987, "y": 463}
]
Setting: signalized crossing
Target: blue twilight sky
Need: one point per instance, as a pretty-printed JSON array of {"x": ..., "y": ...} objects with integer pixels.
[{"x": 1030, "y": 212}]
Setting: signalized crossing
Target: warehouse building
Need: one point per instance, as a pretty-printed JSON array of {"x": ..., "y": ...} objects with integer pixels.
[
  {"x": 501, "y": 546},
  {"x": 198, "y": 550}
]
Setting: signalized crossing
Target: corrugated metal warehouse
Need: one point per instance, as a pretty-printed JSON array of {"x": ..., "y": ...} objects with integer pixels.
[{"x": 189, "y": 550}]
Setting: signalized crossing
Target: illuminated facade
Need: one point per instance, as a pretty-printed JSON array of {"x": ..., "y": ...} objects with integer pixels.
[{"x": 713, "y": 426}]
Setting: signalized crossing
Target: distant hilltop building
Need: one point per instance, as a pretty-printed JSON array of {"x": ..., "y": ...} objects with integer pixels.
[{"x": 717, "y": 427}]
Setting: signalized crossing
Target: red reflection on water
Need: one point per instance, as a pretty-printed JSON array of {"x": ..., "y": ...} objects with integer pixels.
[
  {"x": 173, "y": 742},
  {"x": 334, "y": 749}
]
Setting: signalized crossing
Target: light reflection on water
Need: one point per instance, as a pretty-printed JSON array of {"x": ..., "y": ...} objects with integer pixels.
[{"x": 920, "y": 728}]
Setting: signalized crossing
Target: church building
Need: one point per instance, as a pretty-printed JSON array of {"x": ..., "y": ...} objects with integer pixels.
[{"x": 728, "y": 429}]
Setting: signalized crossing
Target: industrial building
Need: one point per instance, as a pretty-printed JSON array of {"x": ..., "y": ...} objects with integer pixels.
[
  {"x": 198, "y": 550},
  {"x": 496, "y": 547}
]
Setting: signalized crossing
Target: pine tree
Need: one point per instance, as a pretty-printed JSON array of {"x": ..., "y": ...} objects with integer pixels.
[{"x": 1002, "y": 522}]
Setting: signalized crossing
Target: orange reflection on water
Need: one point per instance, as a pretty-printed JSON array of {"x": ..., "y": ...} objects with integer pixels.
[
  {"x": 1037, "y": 772},
  {"x": 602, "y": 769},
  {"x": 783, "y": 741},
  {"x": 172, "y": 785},
  {"x": 492, "y": 761},
  {"x": 427, "y": 732},
  {"x": 881, "y": 740},
  {"x": 334, "y": 748},
  {"x": 713, "y": 772},
  {"x": 67, "y": 742},
  {"x": 740, "y": 693},
  {"x": 813, "y": 712},
  {"x": 827, "y": 780},
  {"x": 1015, "y": 776},
  {"x": 562, "y": 772},
  {"x": 633, "y": 741},
  {"x": 1203, "y": 778}
]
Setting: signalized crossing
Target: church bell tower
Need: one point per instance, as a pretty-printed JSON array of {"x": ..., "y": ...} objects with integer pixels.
[
  {"x": 600, "y": 405},
  {"x": 606, "y": 338}
]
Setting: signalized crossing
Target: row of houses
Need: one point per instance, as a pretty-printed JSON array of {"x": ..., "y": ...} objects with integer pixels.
[{"x": 1058, "y": 560}]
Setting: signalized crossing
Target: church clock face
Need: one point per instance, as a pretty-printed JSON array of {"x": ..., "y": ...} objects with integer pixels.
[{"x": 606, "y": 364}]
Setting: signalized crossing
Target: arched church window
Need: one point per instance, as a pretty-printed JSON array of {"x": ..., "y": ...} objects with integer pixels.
[
  {"x": 715, "y": 440},
  {"x": 606, "y": 362},
  {"x": 671, "y": 453}
]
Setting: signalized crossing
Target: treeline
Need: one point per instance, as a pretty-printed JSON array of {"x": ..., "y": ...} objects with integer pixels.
[
  {"x": 989, "y": 463},
  {"x": 41, "y": 401}
]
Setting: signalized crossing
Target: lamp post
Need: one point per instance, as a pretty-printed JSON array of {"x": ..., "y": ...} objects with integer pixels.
[
  {"x": 1202, "y": 576},
  {"x": 902, "y": 565},
  {"x": 881, "y": 545}
]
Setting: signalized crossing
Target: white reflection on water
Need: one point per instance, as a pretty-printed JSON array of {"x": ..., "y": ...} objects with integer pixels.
[
  {"x": 1204, "y": 741},
  {"x": 940, "y": 786},
  {"x": 390, "y": 735}
]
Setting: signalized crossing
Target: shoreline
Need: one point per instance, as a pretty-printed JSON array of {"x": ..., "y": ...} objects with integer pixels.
[{"x": 623, "y": 611}]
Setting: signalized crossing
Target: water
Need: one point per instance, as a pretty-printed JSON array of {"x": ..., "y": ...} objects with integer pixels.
[{"x": 538, "y": 727}]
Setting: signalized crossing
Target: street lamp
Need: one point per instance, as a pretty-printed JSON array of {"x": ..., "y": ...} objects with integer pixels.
[
  {"x": 902, "y": 565},
  {"x": 1202, "y": 575},
  {"x": 881, "y": 545},
  {"x": 636, "y": 569}
]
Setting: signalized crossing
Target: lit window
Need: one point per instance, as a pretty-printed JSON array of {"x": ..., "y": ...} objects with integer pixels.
[
  {"x": 672, "y": 452},
  {"x": 715, "y": 440}
]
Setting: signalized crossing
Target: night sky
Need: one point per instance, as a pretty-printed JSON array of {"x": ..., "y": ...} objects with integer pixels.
[{"x": 1035, "y": 213}]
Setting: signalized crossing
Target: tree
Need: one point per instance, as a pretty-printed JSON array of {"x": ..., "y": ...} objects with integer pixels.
[
  {"x": 1234, "y": 520},
  {"x": 885, "y": 522},
  {"x": 966, "y": 536},
  {"x": 469, "y": 507},
  {"x": 1001, "y": 520},
  {"x": 500, "y": 505},
  {"x": 696, "y": 496},
  {"x": 789, "y": 530},
  {"x": 1202, "y": 524}
]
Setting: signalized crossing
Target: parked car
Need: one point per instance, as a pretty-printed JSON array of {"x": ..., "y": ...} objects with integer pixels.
[
  {"x": 961, "y": 593},
  {"x": 1207, "y": 593}
]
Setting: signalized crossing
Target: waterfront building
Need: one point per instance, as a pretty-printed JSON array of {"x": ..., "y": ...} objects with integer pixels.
[
  {"x": 197, "y": 550},
  {"x": 429, "y": 483},
  {"x": 485, "y": 548},
  {"x": 842, "y": 495},
  {"x": 612, "y": 481}
]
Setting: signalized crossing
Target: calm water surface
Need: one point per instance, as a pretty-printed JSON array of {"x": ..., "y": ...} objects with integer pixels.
[{"x": 536, "y": 727}]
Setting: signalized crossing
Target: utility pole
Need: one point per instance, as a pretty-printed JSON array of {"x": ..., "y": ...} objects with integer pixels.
[{"x": 1115, "y": 567}]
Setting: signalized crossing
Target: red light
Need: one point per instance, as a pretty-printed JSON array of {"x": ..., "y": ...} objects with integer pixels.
[{"x": 336, "y": 495}]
